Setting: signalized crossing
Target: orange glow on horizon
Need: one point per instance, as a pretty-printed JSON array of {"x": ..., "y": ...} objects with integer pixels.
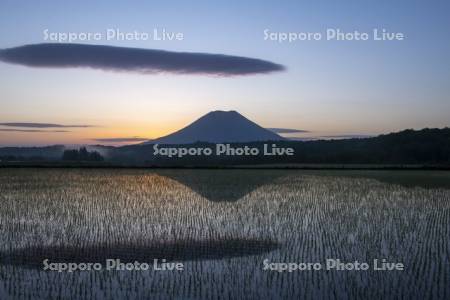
[{"x": 75, "y": 136}]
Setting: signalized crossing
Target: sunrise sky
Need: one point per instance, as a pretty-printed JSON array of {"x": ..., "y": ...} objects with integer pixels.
[{"x": 328, "y": 88}]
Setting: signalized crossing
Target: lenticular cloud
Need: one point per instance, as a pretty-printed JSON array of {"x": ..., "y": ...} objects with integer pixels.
[{"x": 144, "y": 61}]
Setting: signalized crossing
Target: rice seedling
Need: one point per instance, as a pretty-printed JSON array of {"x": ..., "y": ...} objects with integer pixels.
[{"x": 222, "y": 224}]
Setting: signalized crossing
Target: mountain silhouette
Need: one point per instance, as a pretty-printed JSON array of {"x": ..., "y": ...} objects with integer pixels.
[{"x": 219, "y": 127}]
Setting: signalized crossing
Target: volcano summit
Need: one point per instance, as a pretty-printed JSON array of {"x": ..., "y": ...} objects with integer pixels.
[{"x": 220, "y": 127}]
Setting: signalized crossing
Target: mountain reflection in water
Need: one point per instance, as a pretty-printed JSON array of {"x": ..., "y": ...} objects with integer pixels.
[{"x": 223, "y": 185}]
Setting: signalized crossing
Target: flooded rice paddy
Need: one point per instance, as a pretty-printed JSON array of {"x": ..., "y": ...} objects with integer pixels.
[{"x": 222, "y": 225}]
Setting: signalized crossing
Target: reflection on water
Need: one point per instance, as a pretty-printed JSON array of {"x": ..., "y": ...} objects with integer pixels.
[
  {"x": 409, "y": 179},
  {"x": 179, "y": 251},
  {"x": 191, "y": 216},
  {"x": 223, "y": 185}
]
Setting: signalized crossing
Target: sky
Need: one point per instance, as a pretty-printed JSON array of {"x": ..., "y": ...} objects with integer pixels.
[{"x": 328, "y": 87}]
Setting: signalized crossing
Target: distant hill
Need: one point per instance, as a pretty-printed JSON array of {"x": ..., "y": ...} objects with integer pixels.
[
  {"x": 38, "y": 153},
  {"x": 45, "y": 153},
  {"x": 220, "y": 127},
  {"x": 419, "y": 147},
  {"x": 426, "y": 147}
]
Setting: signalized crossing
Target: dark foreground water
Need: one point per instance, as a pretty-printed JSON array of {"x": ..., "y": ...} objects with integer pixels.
[{"x": 224, "y": 227}]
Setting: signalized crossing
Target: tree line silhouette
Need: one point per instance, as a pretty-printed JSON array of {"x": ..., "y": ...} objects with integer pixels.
[
  {"x": 81, "y": 154},
  {"x": 426, "y": 146},
  {"x": 415, "y": 147}
]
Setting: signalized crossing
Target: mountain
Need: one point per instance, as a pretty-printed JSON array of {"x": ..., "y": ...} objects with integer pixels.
[{"x": 219, "y": 127}]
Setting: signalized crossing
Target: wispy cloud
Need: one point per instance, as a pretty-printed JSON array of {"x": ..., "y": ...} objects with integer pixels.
[
  {"x": 332, "y": 137},
  {"x": 145, "y": 61},
  {"x": 121, "y": 140},
  {"x": 43, "y": 125},
  {"x": 286, "y": 130},
  {"x": 347, "y": 136},
  {"x": 29, "y": 130}
]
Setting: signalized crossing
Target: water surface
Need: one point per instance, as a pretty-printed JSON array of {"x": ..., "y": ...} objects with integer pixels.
[{"x": 222, "y": 224}]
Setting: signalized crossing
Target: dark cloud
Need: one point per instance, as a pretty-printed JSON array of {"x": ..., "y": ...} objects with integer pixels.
[
  {"x": 144, "y": 61},
  {"x": 286, "y": 130},
  {"x": 121, "y": 140},
  {"x": 29, "y": 130},
  {"x": 43, "y": 125}
]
